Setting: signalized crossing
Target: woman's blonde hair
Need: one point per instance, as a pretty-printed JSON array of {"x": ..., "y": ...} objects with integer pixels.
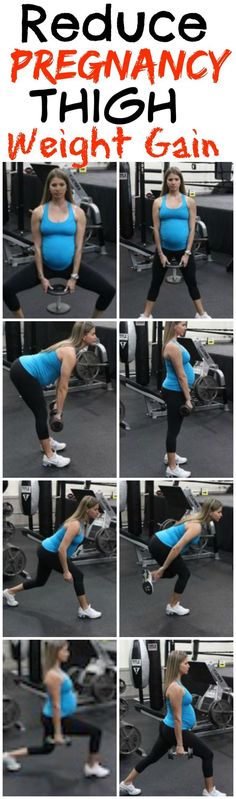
[
  {"x": 175, "y": 171},
  {"x": 79, "y": 330},
  {"x": 203, "y": 515},
  {"x": 62, "y": 175},
  {"x": 51, "y": 654},
  {"x": 81, "y": 513},
  {"x": 173, "y": 665},
  {"x": 169, "y": 332}
]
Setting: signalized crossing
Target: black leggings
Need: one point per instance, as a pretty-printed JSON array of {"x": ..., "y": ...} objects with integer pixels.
[
  {"x": 158, "y": 274},
  {"x": 167, "y": 739},
  {"x": 173, "y": 399},
  {"x": 27, "y": 278},
  {"x": 159, "y": 552},
  {"x": 49, "y": 561},
  {"x": 71, "y": 725},
  {"x": 32, "y": 393}
]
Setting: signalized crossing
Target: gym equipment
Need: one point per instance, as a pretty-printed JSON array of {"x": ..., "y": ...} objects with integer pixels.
[
  {"x": 14, "y": 561},
  {"x": 98, "y": 678},
  {"x": 102, "y": 531},
  {"x": 174, "y": 277},
  {"x": 29, "y": 497},
  {"x": 7, "y": 509},
  {"x": 130, "y": 739},
  {"x": 172, "y": 753},
  {"x": 139, "y": 663},
  {"x": 11, "y": 712},
  {"x": 58, "y": 290},
  {"x": 55, "y": 421},
  {"x": 67, "y": 740},
  {"x": 8, "y": 530}
]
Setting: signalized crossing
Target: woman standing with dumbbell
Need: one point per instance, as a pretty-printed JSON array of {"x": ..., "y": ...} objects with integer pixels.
[
  {"x": 58, "y": 229},
  {"x": 174, "y": 221},
  {"x": 176, "y": 729},
  {"x": 31, "y": 373},
  {"x": 167, "y": 547},
  {"x": 55, "y": 554},
  {"x": 176, "y": 389},
  {"x": 59, "y": 717}
]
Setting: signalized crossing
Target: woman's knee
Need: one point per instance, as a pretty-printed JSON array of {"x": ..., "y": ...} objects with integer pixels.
[
  {"x": 105, "y": 297},
  {"x": 10, "y": 298}
]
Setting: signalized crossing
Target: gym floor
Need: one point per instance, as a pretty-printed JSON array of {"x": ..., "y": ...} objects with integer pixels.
[
  {"x": 179, "y": 777},
  {"x": 214, "y": 282},
  {"x": 61, "y": 772},
  {"x": 209, "y": 595},
  {"x": 205, "y": 439},
  {"x": 90, "y": 433},
  {"x": 52, "y": 609},
  {"x": 81, "y": 303}
]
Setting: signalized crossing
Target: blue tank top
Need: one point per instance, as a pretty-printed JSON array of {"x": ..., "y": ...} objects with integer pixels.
[
  {"x": 171, "y": 380},
  {"x": 58, "y": 240},
  {"x": 53, "y": 542},
  {"x": 173, "y": 534},
  {"x": 68, "y": 699},
  {"x": 174, "y": 225},
  {"x": 188, "y": 712},
  {"x": 44, "y": 366}
]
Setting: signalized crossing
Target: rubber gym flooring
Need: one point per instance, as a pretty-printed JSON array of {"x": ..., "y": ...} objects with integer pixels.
[
  {"x": 180, "y": 777},
  {"x": 61, "y": 772},
  {"x": 89, "y": 430},
  {"x": 214, "y": 282},
  {"x": 208, "y": 594},
  {"x": 205, "y": 439},
  {"x": 52, "y": 609},
  {"x": 81, "y": 303}
]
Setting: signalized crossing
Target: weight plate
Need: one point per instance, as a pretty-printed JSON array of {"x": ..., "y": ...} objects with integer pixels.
[
  {"x": 11, "y": 712},
  {"x": 87, "y": 367},
  {"x": 7, "y": 509},
  {"x": 104, "y": 687},
  {"x": 221, "y": 712},
  {"x": 106, "y": 541},
  {"x": 130, "y": 739},
  {"x": 14, "y": 561},
  {"x": 167, "y": 523},
  {"x": 124, "y": 706},
  {"x": 206, "y": 389},
  {"x": 74, "y": 674},
  {"x": 8, "y": 530}
]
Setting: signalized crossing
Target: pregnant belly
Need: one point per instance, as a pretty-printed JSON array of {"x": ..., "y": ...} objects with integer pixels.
[{"x": 58, "y": 252}]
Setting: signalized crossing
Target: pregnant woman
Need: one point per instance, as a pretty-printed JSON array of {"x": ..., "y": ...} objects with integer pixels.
[
  {"x": 58, "y": 228},
  {"x": 174, "y": 220}
]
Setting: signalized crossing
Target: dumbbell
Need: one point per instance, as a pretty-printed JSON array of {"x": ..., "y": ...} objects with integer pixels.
[
  {"x": 147, "y": 583},
  {"x": 172, "y": 753},
  {"x": 7, "y": 509},
  {"x": 50, "y": 740},
  {"x": 184, "y": 410},
  {"x": 55, "y": 421}
]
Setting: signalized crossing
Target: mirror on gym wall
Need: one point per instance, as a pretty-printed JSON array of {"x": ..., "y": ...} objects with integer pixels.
[
  {"x": 47, "y": 748},
  {"x": 176, "y": 716},
  {"x": 176, "y": 556},
  {"x": 59, "y": 557}
]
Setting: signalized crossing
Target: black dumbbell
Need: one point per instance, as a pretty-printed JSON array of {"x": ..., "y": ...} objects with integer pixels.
[
  {"x": 172, "y": 753},
  {"x": 55, "y": 421},
  {"x": 185, "y": 410},
  {"x": 50, "y": 740},
  {"x": 147, "y": 582}
]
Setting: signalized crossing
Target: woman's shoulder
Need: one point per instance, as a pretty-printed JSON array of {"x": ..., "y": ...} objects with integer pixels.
[
  {"x": 66, "y": 352},
  {"x": 174, "y": 689},
  {"x": 190, "y": 202},
  {"x": 37, "y": 213},
  {"x": 52, "y": 677},
  {"x": 73, "y": 525},
  {"x": 157, "y": 203},
  {"x": 78, "y": 213},
  {"x": 171, "y": 348}
]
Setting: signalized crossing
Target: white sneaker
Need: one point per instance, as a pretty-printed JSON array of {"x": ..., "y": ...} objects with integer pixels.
[
  {"x": 96, "y": 770},
  {"x": 179, "y": 461},
  {"x": 10, "y": 598},
  {"x": 129, "y": 789},
  {"x": 89, "y": 613},
  {"x": 10, "y": 762},
  {"x": 57, "y": 446},
  {"x": 177, "y": 610},
  {"x": 204, "y": 315},
  {"x": 56, "y": 460},
  {"x": 143, "y": 316},
  {"x": 177, "y": 472},
  {"x": 214, "y": 792}
]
